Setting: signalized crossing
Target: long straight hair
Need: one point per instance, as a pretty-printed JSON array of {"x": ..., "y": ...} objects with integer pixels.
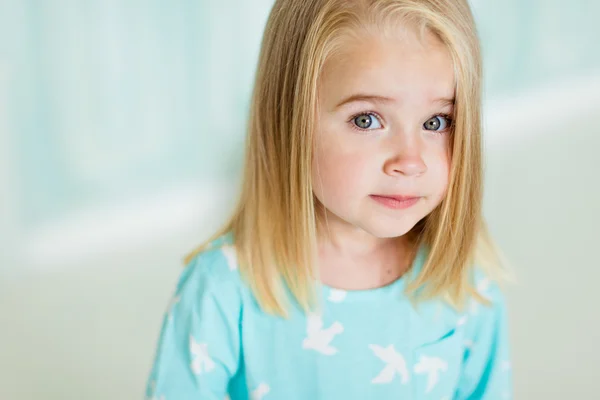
[{"x": 274, "y": 225}]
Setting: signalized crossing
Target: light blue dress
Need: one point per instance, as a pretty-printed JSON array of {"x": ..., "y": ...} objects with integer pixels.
[{"x": 216, "y": 343}]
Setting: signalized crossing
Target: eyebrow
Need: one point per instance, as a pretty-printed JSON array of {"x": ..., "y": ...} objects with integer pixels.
[{"x": 444, "y": 101}]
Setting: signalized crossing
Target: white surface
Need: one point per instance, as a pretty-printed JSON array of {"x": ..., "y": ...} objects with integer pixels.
[
  {"x": 543, "y": 204},
  {"x": 133, "y": 224}
]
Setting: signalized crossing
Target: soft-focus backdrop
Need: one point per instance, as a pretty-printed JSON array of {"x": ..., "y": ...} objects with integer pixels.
[{"x": 121, "y": 133}]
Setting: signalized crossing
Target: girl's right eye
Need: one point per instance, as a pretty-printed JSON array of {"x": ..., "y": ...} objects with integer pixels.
[{"x": 366, "y": 122}]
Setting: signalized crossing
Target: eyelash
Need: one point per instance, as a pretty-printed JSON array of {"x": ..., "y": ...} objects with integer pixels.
[{"x": 372, "y": 113}]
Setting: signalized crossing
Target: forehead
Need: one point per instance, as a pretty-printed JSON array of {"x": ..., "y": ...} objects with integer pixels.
[{"x": 404, "y": 67}]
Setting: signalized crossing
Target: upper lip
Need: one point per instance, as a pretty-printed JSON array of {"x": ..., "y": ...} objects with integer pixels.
[{"x": 397, "y": 197}]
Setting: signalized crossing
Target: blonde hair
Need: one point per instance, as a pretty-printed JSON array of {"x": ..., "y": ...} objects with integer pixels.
[{"x": 274, "y": 224}]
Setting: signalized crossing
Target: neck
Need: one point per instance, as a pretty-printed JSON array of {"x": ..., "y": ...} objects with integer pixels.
[
  {"x": 342, "y": 238},
  {"x": 351, "y": 258},
  {"x": 354, "y": 262}
]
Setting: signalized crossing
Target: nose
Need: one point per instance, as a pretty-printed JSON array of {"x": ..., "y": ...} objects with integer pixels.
[{"x": 406, "y": 159}]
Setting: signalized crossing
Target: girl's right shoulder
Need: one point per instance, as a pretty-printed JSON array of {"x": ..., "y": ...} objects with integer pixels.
[
  {"x": 214, "y": 267},
  {"x": 201, "y": 329}
]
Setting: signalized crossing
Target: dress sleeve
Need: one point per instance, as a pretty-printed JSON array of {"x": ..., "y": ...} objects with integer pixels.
[
  {"x": 198, "y": 349},
  {"x": 486, "y": 373}
]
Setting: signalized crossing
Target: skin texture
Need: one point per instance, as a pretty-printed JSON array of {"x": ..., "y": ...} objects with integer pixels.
[{"x": 361, "y": 245}]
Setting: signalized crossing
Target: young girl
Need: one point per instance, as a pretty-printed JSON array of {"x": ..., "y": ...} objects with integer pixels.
[{"x": 357, "y": 264}]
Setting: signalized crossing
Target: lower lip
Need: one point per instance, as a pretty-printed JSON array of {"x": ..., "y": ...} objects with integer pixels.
[{"x": 394, "y": 203}]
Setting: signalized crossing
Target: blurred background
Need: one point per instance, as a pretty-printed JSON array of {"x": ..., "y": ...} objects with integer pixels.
[{"x": 121, "y": 133}]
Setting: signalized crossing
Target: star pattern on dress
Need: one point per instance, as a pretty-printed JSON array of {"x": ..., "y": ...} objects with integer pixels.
[
  {"x": 482, "y": 287},
  {"x": 318, "y": 338},
  {"x": 381, "y": 364},
  {"x": 201, "y": 361},
  {"x": 174, "y": 301},
  {"x": 337, "y": 295},
  {"x": 261, "y": 391},
  {"x": 395, "y": 364},
  {"x": 431, "y": 366},
  {"x": 231, "y": 256}
]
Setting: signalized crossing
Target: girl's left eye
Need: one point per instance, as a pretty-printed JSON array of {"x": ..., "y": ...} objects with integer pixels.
[
  {"x": 366, "y": 122},
  {"x": 438, "y": 123}
]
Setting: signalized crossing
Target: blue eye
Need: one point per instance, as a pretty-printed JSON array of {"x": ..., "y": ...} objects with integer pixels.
[
  {"x": 367, "y": 121},
  {"x": 438, "y": 123}
]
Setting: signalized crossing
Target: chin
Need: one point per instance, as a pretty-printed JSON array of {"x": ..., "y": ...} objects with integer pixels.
[{"x": 389, "y": 229}]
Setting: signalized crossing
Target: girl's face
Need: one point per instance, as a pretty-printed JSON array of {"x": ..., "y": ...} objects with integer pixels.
[{"x": 385, "y": 109}]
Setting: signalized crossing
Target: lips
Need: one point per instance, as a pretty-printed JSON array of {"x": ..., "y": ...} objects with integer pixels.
[
  {"x": 396, "y": 197},
  {"x": 396, "y": 202}
]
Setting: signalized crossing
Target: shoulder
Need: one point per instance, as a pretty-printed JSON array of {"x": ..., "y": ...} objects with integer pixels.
[
  {"x": 488, "y": 312},
  {"x": 213, "y": 271},
  {"x": 486, "y": 286}
]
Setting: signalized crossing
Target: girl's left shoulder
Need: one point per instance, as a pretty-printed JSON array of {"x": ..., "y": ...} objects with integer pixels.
[
  {"x": 490, "y": 288},
  {"x": 489, "y": 312}
]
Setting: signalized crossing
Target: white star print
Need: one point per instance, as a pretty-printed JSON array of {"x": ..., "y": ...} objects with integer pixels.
[
  {"x": 482, "y": 287},
  {"x": 432, "y": 367},
  {"x": 201, "y": 361},
  {"x": 262, "y": 390},
  {"x": 395, "y": 364},
  {"x": 172, "y": 305},
  {"x": 231, "y": 256},
  {"x": 337, "y": 295},
  {"x": 319, "y": 339}
]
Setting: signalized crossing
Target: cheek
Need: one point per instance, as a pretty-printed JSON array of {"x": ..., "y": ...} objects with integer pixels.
[
  {"x": 439, "y": 168},
  {"x": 337, "y": 170}
]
